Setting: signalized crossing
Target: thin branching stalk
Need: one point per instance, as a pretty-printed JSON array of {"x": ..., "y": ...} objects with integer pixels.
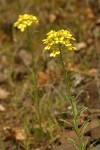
[
  {"x": 34, "y": 74},
  {"x": 73, "y": 105}
]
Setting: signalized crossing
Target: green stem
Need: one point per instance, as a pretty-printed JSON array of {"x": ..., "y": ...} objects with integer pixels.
[
  {"x": 72, "y": 103},
  {"x": 29, "y": 41},
  {"x": 63, "y": 67},
  {"x": 34, "y": 73}
]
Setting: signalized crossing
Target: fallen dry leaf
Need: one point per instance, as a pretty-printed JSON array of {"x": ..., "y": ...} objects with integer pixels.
[
  {"x": 89, "y": 13},
  {"x": 2, "y": 108},
  {"x": 5, "y": 128},
  {"x": 18, "y": 134},
  {"x": 3, "y": 94},
  {"x": 3, "y": 77},
  {"x": 42, "y": 78},
  {"x": 95, "y": 132},
  {"x": 98, "y": 21},
  {"x": 70, "y": 66},
  {"x": 92, "y": 71},
  {"x": 92, "y": 124},
  {"x": 25, "y": 57},
  {"x": 52, "y": 18},
  {"x": 46, "y": 77},
  {"x": 81, "y": 45},
  {"x": 78, "y": 79}
]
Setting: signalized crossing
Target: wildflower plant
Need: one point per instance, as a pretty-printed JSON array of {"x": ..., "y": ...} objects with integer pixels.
[
  {"x": 23, "y": 23},
  {"x": 57, "y": 42}
]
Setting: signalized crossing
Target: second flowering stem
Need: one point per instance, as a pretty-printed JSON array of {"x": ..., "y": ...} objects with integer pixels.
[{"x": 34, "y": 77}]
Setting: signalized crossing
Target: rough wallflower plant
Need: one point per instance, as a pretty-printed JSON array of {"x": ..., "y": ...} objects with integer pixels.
[
  {"x": 57, "y": 40},
  {"x": 24, "y": 21}
]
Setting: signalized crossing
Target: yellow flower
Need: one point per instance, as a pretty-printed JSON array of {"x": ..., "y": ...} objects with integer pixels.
[
  {"x": 58, "y": 40},
  {"x": 25, "y": 20}
]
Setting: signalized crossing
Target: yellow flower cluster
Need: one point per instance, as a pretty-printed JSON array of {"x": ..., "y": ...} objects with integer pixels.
[
  {"x": 58, "y": 40},
  {"x": 25, "y": 20}
]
